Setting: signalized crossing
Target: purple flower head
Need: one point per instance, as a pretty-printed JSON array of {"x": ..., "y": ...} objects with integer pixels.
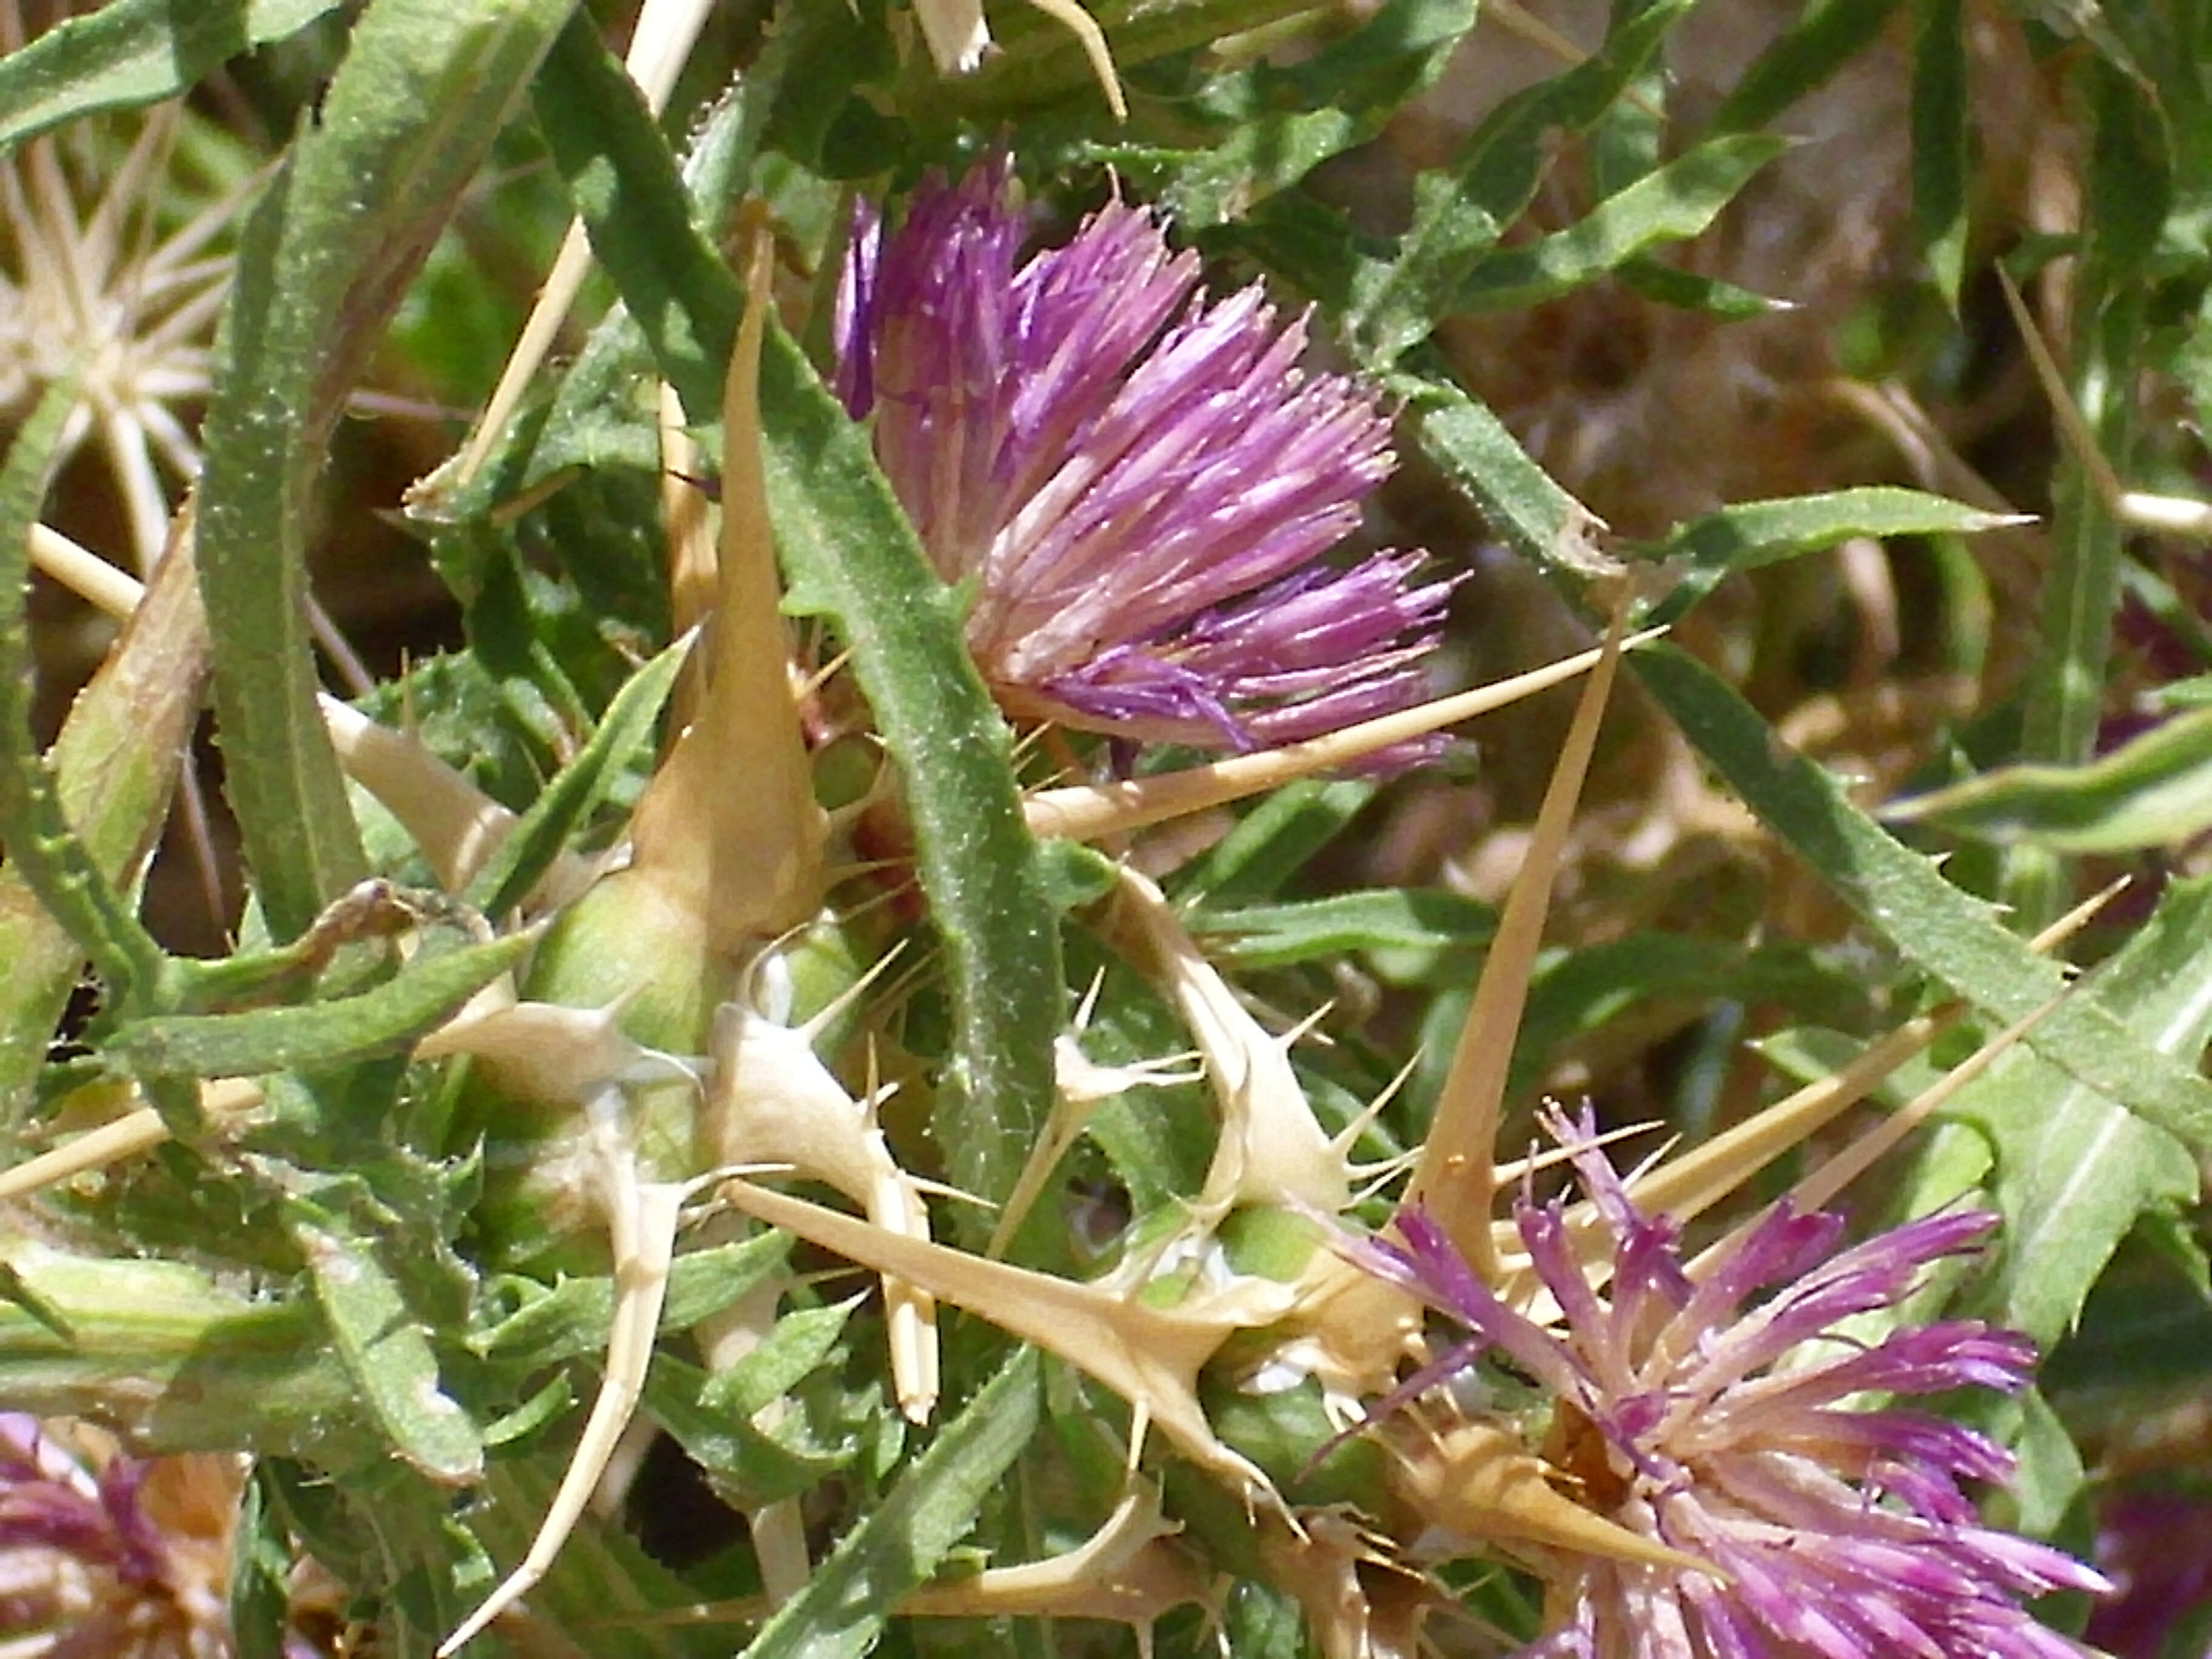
[
  {"x": 1136, "y": 483},
  {"x": 1721, "y": 1408},
  {"x": 129, "y": 1559}
]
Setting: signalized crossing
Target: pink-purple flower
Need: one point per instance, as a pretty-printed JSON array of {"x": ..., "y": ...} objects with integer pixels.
[
  {"x": 1138, "y": 486},
  {"x": 129, "y": 1559},
  {"x": 1735, "y": 1408}
]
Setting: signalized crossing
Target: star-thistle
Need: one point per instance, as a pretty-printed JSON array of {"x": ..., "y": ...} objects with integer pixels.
[
  {"x": 1139, "y": 485},
  {"x": 1729, "y": 1408},
  {"x": 117, "y": 1557}
]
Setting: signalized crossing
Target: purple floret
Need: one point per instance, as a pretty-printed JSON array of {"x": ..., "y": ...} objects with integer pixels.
[
  {"x": 1735, "y": 1410},
  {"x": 1140, "y": 485}
]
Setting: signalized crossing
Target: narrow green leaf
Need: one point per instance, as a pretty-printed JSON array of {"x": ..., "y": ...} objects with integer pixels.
[
  {"x": 572, "y": 1317},
  {"x": 1748, "y": 534},
  {"x": 1459, "y": 214},
  {"x": 1394, "y": 304},
  {"x": 1272, "y": 842},
  {"x": 747, "y": 1459},
  {"x": 850, "y": 554},
  {"x": 131, "y": 52},
  {"x": 1502, "y": 161},
  {"x": 541, "y": 833},
  {"x": 318, "y": 1035},
  {"x": 542, "y": 1407},
  {"x": 803, "y": 1341},
  {"x": 1281, "y": 122},
  {"x": 2131, "y": 177},
  {"x": 43, "y": 850},
  {"x": 367, "y": 190},
  {"x": 2063, "y": 701},
  {"x": 1804, "y": 58},
  {"x": 843, "y": 1610},
  {"x": 1687, "y": 290},
  {"x": 1487, "y": 464},
  {"x": 2155, "y": 791},
  {"x": 1940, "y": 135},
  {"x": 676, "y": 285},
  {"x": 260, "y": 1573},
  {"x": 1678, "y": 201},
  {"x": 1384, "y": 919},
  {"x": 1956, "y": 938},
  {"x": 2073, "y": 1168},
  {"x": 385, "y": 1349}
]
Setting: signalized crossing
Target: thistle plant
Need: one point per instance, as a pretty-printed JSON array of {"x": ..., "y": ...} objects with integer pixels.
[{"x": 908, "y": 1049}]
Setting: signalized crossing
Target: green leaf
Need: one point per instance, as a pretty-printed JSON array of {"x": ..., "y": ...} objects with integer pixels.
[
  {"x": 2073, "y": 1168},
  {"x": 1941, "y": 162},
  {"x": 850, "y": 554},
  {"x": 1678, "y": 201},
  {"x": 318, "y": 1035},
  {"x": 1689, "y": 291},
  {"x": 1383, "y": 919},
  {"x": 1281, "y": 122},
  {"x": 1483, "y": 460},
  {"x": 408, "y": 118},
  {"x": 260, "y": 1573},
  {"x": 384, "y": 1348},
  {"x": 572, "y": 1317},
  {"x": 2064, "y": 691},
  {"x": 1952, "y": 937},
  {"x": 1459, "y": 214},
  {"x": 1272, "y": 842},
  {"x": 802, "y": 1342},
  {"x": 1394, "y": 305},
  {"x": 131, "y": 52},
  {"x": 1804, "y": 58},
  {"x": 674, "y": 282},
  {"x": 2155, "y": 791},
  {"x": 752, "y": 1465},
  {"x": 2131, "y": 182},
  {"x": 853, "y": 557},
  {"x": 541, "y": 833},
  {"x": 897, "y": 1545},
  {"x": 1749, "y": 534},
  {"x": 43, "y": 849}
]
